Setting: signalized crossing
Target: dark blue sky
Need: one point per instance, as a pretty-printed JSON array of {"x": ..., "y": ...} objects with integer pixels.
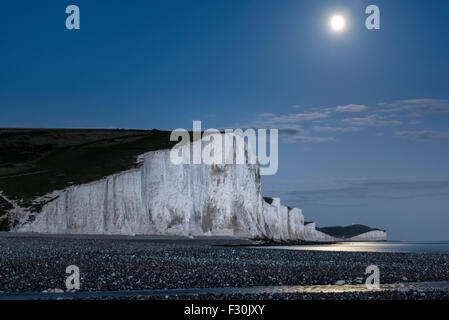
[{"x": 367, "y": 111}]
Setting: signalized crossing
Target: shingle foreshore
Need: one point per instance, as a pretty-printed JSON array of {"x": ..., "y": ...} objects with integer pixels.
[{"x": 36, "y": 264}]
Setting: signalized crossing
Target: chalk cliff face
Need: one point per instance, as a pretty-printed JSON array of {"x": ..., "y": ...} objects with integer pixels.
[
  {"x": 376, "y": 235},
  {"x": 311, "y": 234},
  {"x": 159, "y": 197},
  {"x": 162, "y": 198}
]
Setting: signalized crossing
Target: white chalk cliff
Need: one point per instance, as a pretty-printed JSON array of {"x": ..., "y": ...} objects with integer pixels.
[
  {"x": 378, "y": 235},
  {"x": 162, "y": 198}
]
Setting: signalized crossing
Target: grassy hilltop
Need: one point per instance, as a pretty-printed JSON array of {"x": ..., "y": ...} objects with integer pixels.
[{"x": 34, "y": 162}]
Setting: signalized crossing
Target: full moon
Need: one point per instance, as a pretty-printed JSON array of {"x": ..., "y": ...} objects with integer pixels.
[{"x": 337, "y": 23}]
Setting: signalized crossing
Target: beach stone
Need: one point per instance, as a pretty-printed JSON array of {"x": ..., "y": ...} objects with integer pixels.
[{"x": 56, "y": 290}]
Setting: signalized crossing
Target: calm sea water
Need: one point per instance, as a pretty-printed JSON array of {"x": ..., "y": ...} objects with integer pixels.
[{"x": 389, "y": 246}]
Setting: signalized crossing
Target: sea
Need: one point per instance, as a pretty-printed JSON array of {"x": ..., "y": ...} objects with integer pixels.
[{"x": 387, "y": 246}]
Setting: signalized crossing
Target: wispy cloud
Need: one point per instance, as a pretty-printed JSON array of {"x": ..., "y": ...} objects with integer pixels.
[
  {"x": 297, "y": 117},
  {"x": 391, "y": 189},
  {"x": 302, "y": 138},
  {"x": 416, "y": 106},
  {"x": 423, "y": 135},
  {"x": 289, "y": 130},
  {"x": 337, "y": 129},
  {"x": 371, "y": 121},
  {"x": 351, "y": 108},
  {"x": 291, "y": 133},
  {"x": 264, "y": 115},
  {"x": 344, "y": 118}
]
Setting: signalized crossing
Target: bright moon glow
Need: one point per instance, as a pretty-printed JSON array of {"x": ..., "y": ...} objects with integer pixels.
[{"x": 337, "y": 23}]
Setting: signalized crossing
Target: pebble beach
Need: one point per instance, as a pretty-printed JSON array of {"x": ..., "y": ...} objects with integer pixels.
[{"x": 38, "y": 263}]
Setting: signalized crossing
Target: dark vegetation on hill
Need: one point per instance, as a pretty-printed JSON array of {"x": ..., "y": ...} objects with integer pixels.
[
  {"x": 34, "y": 162},
  {"x": 268, "y": 200},
  {"x": 346, "y": 232}
]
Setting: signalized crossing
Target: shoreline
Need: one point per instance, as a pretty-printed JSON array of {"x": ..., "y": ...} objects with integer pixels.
[{"x": 423, "y": 288}]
